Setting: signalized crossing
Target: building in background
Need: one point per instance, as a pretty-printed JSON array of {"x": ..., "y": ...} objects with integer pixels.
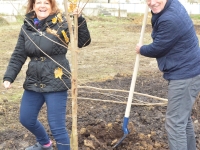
[{"x": 119, "y": 8}]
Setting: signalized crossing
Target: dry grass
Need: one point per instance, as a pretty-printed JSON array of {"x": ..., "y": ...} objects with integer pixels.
[{"x": 111, "y": 51}]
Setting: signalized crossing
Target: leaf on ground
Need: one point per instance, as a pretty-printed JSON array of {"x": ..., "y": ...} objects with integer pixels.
[{"x": 89, "y": 143}]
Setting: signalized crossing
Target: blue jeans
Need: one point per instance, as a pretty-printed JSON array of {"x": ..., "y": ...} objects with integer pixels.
[
  {"x": 56, "y": 113},
  {"x": 179, "y": 126}
]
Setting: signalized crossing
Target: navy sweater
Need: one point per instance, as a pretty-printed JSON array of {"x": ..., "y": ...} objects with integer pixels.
[{"x": 175, "y": 44}]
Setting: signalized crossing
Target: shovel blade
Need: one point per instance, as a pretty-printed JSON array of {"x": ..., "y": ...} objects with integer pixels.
[{"x": 119, "y": 142}]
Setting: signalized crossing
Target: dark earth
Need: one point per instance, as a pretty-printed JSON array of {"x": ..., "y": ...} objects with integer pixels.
[{"x": 100, "y": 123}]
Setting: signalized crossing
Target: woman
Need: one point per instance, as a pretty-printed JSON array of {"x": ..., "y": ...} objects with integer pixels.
[{"x": 44, "y": 38}]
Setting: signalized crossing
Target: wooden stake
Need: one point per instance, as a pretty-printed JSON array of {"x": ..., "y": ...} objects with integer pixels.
[
  {"x": 74, "y": 92},
  {"x": 74, "y": 85}
]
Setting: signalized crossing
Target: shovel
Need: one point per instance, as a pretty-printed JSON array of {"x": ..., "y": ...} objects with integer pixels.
[{"x": 130, "y": 97}]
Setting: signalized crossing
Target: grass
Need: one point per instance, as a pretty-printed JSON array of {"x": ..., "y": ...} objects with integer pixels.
[
  {"x": 196, "y": 19},
  {"x": 195, "y": 16},
  {"x": 3, "y": 21},
  {"x": 111, "y": 51}
]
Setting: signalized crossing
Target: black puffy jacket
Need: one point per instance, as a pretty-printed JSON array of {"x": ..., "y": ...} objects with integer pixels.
[{"x": 46, "y": 52}]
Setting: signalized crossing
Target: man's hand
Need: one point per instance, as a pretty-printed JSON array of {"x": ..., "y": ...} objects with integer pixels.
[{"x": 137, "y": 48}]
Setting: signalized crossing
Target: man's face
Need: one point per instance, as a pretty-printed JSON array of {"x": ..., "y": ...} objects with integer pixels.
[{"x": 156, "y": 5}]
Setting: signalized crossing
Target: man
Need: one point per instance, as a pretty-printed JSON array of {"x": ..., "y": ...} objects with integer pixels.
[{"x": 176, "y": 49}]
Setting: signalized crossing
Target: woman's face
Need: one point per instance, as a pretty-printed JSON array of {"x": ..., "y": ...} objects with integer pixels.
[
  {"x": 42, "y": 8},
  {"x": 156, "y": 6}
]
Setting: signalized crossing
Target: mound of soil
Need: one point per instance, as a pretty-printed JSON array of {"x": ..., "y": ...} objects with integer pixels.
[{"x": 100, "y": 122}]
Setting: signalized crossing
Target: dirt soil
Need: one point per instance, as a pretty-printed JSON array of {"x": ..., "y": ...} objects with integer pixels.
[
  {"x": 100, "y": 123},
  {"x": 100, "y": 113}
]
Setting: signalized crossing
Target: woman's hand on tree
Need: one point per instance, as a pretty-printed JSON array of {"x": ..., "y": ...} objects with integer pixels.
[{"x": 77, "y": 11}]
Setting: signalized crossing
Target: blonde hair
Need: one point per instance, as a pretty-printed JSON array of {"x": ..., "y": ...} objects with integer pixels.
[{"x": 53, "y": 3}]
